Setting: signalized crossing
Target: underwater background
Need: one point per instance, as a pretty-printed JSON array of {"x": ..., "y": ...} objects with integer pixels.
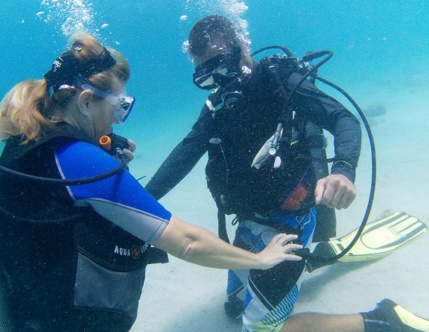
[
  {"x": 380, "y": 47},
  {"x": 380, "y": 58}
]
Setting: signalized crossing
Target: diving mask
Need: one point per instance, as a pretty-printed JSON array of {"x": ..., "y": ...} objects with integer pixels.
[
  {"x": 122, "y": 103},
  {"x": 218, "y": 71}
]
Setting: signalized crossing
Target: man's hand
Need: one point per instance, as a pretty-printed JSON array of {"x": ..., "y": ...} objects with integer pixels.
[
  {"x": 335, "y": 191},
  {"x": 128, "y": 153}
]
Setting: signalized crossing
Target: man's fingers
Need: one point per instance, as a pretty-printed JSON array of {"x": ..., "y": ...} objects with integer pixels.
[
  {"x": 128, "y": 154},
  {"x": 132, "y": 145},
  {"x": 318, "y": 192}
]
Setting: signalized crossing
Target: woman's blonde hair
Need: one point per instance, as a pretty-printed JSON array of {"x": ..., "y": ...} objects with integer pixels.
[{"x": 27, "y": 109}]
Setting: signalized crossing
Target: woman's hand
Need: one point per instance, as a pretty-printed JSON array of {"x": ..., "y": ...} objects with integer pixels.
[
  {"x": 199, "y": 246},
  {"x": 280, "y": 249}
]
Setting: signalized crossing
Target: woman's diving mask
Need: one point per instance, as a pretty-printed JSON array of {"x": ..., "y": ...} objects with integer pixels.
[{"x": 122, "y": 103}]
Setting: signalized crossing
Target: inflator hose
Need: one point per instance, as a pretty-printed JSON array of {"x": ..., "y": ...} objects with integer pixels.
[{"x": 305, "y": 253}]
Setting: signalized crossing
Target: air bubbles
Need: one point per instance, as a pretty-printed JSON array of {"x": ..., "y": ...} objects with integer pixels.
[
  {"x": 232, "y": 9},
  {"x": 185, "y": 46},
  {"x": 68, "y": 15}
]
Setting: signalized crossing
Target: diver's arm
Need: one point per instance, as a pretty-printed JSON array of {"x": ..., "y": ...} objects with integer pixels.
[
  {"x": 336, "y": 190},
  {"x": 124, "y": 202},
  {"x": 119, "y": 198},
  {"x": 183, "y": 158},
  {"x": 178, "y": 164},
  {"x": 199, "y": 246},
  {"x": 315, "y": 106}
]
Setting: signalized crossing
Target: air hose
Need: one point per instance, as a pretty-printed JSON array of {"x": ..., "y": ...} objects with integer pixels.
[
  {"x": 317, "y": 260},
  {"x": 114, "y": 148},
  {"x": 313, "y": 259}
]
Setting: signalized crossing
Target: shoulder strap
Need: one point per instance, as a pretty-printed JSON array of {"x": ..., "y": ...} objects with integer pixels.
[
  {"x": 284, "y": 129},
  {"x": 16, "y": 150}
]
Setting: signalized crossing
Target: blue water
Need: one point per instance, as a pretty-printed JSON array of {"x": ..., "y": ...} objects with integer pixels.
[
  {"x": 380, "y": 50},
  {"x": 374, "y": 42}
]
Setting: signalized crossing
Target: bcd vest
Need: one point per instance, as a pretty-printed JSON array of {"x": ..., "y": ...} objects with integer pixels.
[
  {"x": 49, "y": 247},
  {"x": 239, "y": 135}
]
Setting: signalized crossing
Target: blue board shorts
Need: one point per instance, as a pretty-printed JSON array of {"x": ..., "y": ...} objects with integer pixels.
[{"x": 268, "y": 296}]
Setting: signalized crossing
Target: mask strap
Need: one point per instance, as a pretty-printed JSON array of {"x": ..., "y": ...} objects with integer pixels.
[{"x": 67, "y": 66}]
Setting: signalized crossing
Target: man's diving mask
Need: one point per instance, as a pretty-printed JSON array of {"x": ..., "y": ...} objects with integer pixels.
[
  {"x": 218, "y": 71},
  {"x": 122, "y": 103}
]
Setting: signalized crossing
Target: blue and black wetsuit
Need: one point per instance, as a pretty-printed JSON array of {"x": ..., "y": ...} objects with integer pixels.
[
  {"x": 74, "y": 257},
  {"x": 260, "y": 199}
]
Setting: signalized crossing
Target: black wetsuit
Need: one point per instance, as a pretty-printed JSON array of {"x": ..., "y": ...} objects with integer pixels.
[{"x": 245, "y": 129}]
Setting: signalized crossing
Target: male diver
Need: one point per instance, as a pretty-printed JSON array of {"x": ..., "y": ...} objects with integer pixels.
[{"x": 254, "y": 127}]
